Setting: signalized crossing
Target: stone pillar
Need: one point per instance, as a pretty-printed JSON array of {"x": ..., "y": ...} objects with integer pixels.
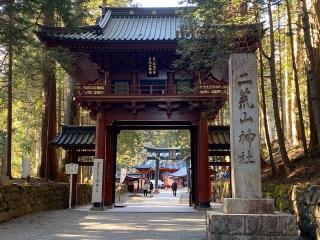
[
  {"x": 203, "y": 164},
  {"x": 244, "y": 117},
  {"x": 244, "y": 138},
  {"x": 247, "y": 215}
]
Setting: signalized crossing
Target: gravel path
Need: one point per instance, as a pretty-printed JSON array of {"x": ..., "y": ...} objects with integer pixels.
[
  {"x": 74, "y": 224},
  {"x": 140, "y": 220}
]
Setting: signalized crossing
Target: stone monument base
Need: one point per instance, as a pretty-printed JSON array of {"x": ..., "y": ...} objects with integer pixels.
[
  {"x": 248, "y": 206},
  {"x": 251, "y": 226}
]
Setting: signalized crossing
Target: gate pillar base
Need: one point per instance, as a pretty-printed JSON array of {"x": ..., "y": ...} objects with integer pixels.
[
  {"x": 248, "y": 206},
  {"x": 251, "y": 226},
  {"x": 203, "y": 205},
  {"x": 97, "y": 207}
]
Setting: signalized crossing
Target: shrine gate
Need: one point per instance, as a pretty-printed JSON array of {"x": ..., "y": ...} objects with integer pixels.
[{"x": 123, "y": 69}]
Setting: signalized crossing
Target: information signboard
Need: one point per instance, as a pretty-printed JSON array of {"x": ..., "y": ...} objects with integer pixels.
[
  {"x": 97, "y": 182},
  {"x": 71, "y": 168}
]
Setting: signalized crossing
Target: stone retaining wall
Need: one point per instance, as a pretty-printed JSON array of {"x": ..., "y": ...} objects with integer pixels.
[
  {"x": 17, "y": 200},
  {"x": 300, "y": 200},
  {"x": 84, "y": 194}
]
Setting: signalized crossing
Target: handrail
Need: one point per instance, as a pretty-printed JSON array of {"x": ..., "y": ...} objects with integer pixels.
[{"x": 153, "y": 90}]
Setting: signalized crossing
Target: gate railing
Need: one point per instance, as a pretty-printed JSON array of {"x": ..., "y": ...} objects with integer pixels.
[{"x": 153, "y": 90}]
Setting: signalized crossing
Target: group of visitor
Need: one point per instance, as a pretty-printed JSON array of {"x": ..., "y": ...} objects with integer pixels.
[{"x": 147, "y": 188}]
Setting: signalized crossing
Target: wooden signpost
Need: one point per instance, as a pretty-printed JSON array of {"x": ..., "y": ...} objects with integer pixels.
[{"x": 71, "y": 168}]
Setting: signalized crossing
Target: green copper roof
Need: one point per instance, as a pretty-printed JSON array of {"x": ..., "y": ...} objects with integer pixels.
[{"x": 126, "y": 24}]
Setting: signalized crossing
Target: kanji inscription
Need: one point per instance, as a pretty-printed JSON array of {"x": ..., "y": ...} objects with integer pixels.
[{"x": 245, "y": 139}]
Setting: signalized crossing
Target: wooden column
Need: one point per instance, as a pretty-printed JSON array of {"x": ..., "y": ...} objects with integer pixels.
[
  {"x": 108, "y": 168},
  {"x": 100, "y": 135},
  {"x": 203, "y": 164},
  {"x": 72, "y": 157},
  {"x": 134, "y": 79},
  {"x": 107, "y": 82},
  {"x": 100, "y": 152},
  {"x": 170, "y": 83},
  {"x": 194, "y": 162}
]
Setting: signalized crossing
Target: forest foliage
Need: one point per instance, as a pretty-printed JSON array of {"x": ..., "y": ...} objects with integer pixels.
[{"x": 22, "y": 62}]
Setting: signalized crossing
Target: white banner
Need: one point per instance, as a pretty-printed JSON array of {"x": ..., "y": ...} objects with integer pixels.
[
  {"x": 123, "y": 174},
  {"x": 97, "y": 180}
]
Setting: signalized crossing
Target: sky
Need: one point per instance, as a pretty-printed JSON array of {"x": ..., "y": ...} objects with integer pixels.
[{"x": 158, "y": 3}]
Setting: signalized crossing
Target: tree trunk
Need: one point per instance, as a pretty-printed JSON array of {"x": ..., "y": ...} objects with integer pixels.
[
  {"x": 70, "y": 105},
  {"x": 282, "y": 85},
  {"x": 9, "y": 89},
  {"x": 296, "y": 81},
  {"x": 49, "y": 163},
  {"x": 313, "y": 128},
  {"x": 9, "y": 109},
  {"x": 263, "y": 97},
  {"x": 274, "y": 91},
  {"x": 264, "y": 110},
  {"x": 313, "y": 79}
]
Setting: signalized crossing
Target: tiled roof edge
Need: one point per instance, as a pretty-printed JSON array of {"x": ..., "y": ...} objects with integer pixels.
[
  {"x": 137, "y": 11},
  {"x": 62, "y": 30}
]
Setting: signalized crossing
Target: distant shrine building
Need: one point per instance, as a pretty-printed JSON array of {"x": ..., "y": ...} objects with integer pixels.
[
  {"x": 166, "y": 164},
  {"x": 123, "y": 71}
]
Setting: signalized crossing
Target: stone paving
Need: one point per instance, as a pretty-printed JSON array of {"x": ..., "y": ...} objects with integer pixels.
[{"x": 160, "y": 217}]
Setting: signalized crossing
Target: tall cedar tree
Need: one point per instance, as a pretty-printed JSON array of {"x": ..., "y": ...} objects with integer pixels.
[
  {"x": 274, "y": 88},
  {"x": 314, "y": 80},
  {"x": 13, "y": 26},
  {"x": 296, "y": 80},
  {"x": 263, "y": 96},
  {"x": 10, "y": 76},
  {"x": 49, "y": 162}
]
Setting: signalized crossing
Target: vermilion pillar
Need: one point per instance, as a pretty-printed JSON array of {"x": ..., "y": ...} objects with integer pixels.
[
  {"x": 108, "y": 168},
  {"x": 73, "y": 159},
  {"x": 203, "y": 164},
  {"x": 194, "y": 162},
  {"x": 103, "y": 151},
  {"x": 134, "y": 82},
  {"x": 100, "y": 136}
]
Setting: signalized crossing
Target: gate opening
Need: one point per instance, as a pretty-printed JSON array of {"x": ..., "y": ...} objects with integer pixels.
[{"x": 150, "y": 164}]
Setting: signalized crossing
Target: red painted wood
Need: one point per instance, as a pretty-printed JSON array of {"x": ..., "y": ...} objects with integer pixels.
[
  {"x": 108, "y": 168},
  {"x": 100, "y": 135},
  {"x": 150, "y": 114},
  {"x": 100, "y": 152},
  {"x": 195, "y": 163},
  {"x": 204, "y": 89},
  {"x": 74, "y": 159},
  {"x": 203, "y": 164}
]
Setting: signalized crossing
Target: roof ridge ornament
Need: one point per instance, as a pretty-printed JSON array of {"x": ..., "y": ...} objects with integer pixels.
[{"x": 103, "y": 22}]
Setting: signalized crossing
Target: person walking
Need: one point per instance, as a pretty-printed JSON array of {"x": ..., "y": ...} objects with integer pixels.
[
  {"x": 146, "y": 188},
  {"x": 151, "y": 189},
  {"x": 174, "y": 187}
]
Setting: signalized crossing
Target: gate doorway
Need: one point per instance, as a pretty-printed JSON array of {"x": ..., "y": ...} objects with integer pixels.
[{"x": 160, "y": 150}]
